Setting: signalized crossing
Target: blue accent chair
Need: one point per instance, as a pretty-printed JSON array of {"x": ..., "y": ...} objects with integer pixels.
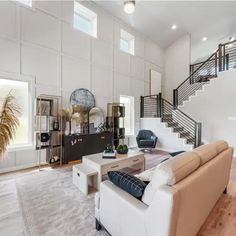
[{"x": 146, "y": 139}]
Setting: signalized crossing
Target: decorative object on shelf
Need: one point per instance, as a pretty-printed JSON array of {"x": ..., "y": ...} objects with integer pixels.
[
  {"x": 66, "y": 120},
  {"x": 115, "y": 121},
  {"x": 9, "y": 121},
  {"x": 56, "y": 125},
  {"x": 109, "y": 152},
  {"x": 82, "y": 101},
  {"x": 48, "y": 124},
  {"x": 122, "y": 149},
  {"x": 96, "y": 118},
  {"x": 44, "y": 107}
]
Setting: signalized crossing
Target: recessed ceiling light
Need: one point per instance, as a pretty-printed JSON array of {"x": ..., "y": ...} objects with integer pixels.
[
  {"x": 129, "y": 6},
  {"x": 231, "y": 39},
  {"x": 173, "y": 27},
  {"x": 204, "y": 39}
]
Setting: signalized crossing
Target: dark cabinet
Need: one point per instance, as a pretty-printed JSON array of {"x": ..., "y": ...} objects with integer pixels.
[{"x": 76, "y": 146}]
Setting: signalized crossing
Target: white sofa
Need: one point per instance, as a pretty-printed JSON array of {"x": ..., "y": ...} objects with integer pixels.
[{"x": 177, "y": 201}]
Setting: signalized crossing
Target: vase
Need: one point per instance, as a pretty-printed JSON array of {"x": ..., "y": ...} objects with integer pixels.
[{"x": 67, "y": 130}]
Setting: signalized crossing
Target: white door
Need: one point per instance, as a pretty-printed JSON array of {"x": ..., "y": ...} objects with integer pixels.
[{"x": 155, "y": 82}]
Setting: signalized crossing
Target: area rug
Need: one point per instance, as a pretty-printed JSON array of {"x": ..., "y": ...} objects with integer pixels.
[{"x": 47, "y": 203}]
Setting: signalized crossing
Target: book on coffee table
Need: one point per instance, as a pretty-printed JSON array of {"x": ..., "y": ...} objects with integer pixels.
[{"x": 109, "y": 155}]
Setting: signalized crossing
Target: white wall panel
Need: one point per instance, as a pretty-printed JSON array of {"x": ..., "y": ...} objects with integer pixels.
[
  {"x": 68, "y": 11},
  {"x": 75, "y": 43},
  {"x": 7, "y": 161},
  {"x": 8, "y": 18},
  {"x": 102, "y": 81},
  {"x": 136, "y": 88},
  {"x": 101, "y": 53},
  {"x": 75, "y": 74},
  {"x": 40, "y": 28},
  {"x": 41, "y": 63},
  {"x": 121, "y": 85},
  {"x": 40, "y": 89},
  {"x": 137, "y": 67},
  {"x": 102, "y": 102},
  {"x": 9, "y": 56},
  {"x": 139, "y": 46},
  {"x": 105, "y": 30},
  {"x": 52, "y": 7},
  {"x": 26, "y": 157},
  {"x": 153, "y": 53},
  {"x": 121, "y": 62}
]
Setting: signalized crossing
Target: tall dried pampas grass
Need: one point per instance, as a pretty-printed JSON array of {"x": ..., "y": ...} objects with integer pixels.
[{"x": 8, "y": 121}]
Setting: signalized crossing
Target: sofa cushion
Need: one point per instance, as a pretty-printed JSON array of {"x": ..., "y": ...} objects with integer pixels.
[
  {"x": 128, "y": 183},
  {"x": 171, "y": 172},
  {"x": 206, "y": 152},
  {"x": 220, "y": 146},
  {"x": 209, "y": 151}
]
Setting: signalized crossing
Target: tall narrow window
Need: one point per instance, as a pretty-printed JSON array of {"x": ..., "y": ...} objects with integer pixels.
[
  {"x": 85, "y": 20},
  {"x": 25, "y": 2},
  {"x": 126, "y": 42},
  {"x": 21, "y": 91},
  {"x": 128, "y": 101}
]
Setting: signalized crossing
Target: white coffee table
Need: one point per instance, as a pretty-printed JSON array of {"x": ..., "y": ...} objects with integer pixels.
[{"x": 133, "y": 159}]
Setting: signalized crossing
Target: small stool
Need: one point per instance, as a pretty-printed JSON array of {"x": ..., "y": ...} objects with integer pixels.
[{"x": 83, "y": 177}]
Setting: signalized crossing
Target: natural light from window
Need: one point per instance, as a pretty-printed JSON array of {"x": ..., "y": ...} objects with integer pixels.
[
  {"x": 25, "y": 2},
  {"x": 85, "y": 20},
  {"x": 128, "y": 101},
  {"x": 20, "y": 90},
  {"x": 126, "y": 42}
]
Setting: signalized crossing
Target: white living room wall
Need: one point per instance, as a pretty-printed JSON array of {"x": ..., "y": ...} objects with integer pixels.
[
  {"x": 41, "y": 42},
  {"x": 215, "y": 108},
  {"x": 177, "y": 61}
]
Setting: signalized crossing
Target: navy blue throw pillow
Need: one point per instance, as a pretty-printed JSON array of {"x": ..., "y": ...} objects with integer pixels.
[
  {"x": 128, "y": 183},
  {"x": 176, "y": 153}
]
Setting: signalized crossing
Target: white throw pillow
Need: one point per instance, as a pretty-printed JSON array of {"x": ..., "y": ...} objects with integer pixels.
[{"x": 147, "y": 174}]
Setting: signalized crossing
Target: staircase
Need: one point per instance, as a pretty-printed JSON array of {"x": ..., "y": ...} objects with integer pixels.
[
  {"x": 186, "y": 128},
  {"x": 201, "y": 75}
]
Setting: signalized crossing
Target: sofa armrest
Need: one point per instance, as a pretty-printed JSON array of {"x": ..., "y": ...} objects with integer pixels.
[
  {"x": 107, "y": 187},
  {"x": 161, "y": 215},
  {"x": 119, "y": 208}
]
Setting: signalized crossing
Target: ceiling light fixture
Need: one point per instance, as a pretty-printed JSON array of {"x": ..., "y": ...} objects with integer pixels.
[
  {"x": 231, "y": 39},
  {"x": 129, "y": 6},
  {"x": 173, "y": 27},
  {"x": 204, "y": 39}
]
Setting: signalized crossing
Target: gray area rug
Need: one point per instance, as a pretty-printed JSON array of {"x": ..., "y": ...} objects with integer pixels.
[{"x": 47, "y": 203}]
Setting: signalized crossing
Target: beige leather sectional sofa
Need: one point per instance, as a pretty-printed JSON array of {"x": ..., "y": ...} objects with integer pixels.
[{"x": 176, "y": 202}]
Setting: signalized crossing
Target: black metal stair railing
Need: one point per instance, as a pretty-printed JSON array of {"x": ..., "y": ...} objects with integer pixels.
[
  {"x": 156, "y": 106},
  {"x": 206, "y": 71},
  {"x": 200, "y": 73},
  {"x": 227, "y": 56}
]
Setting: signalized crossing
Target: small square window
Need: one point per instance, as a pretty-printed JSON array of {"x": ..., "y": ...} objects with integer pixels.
[
  {"x": 126, "y": 42},
  {"x": 25, "y": 2},
  {"x": 85, "y": 20}
]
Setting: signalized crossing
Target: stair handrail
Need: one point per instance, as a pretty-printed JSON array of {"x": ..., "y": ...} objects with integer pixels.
[
  {"x": 162, "y": 107},
  {"x": 189, "y": 78},
  {"x": 203, "y": 63}
]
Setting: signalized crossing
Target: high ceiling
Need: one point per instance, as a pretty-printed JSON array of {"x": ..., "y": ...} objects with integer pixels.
[{"x": 199, "y": 18}]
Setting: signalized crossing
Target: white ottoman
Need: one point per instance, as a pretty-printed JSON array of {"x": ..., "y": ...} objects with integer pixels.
[{"x": 83, "y": 177}]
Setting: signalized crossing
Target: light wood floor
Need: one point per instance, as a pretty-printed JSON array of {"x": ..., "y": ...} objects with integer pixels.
[
  {"x": 220, "y": 222},
  {"x": 222, "y": 219}
]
